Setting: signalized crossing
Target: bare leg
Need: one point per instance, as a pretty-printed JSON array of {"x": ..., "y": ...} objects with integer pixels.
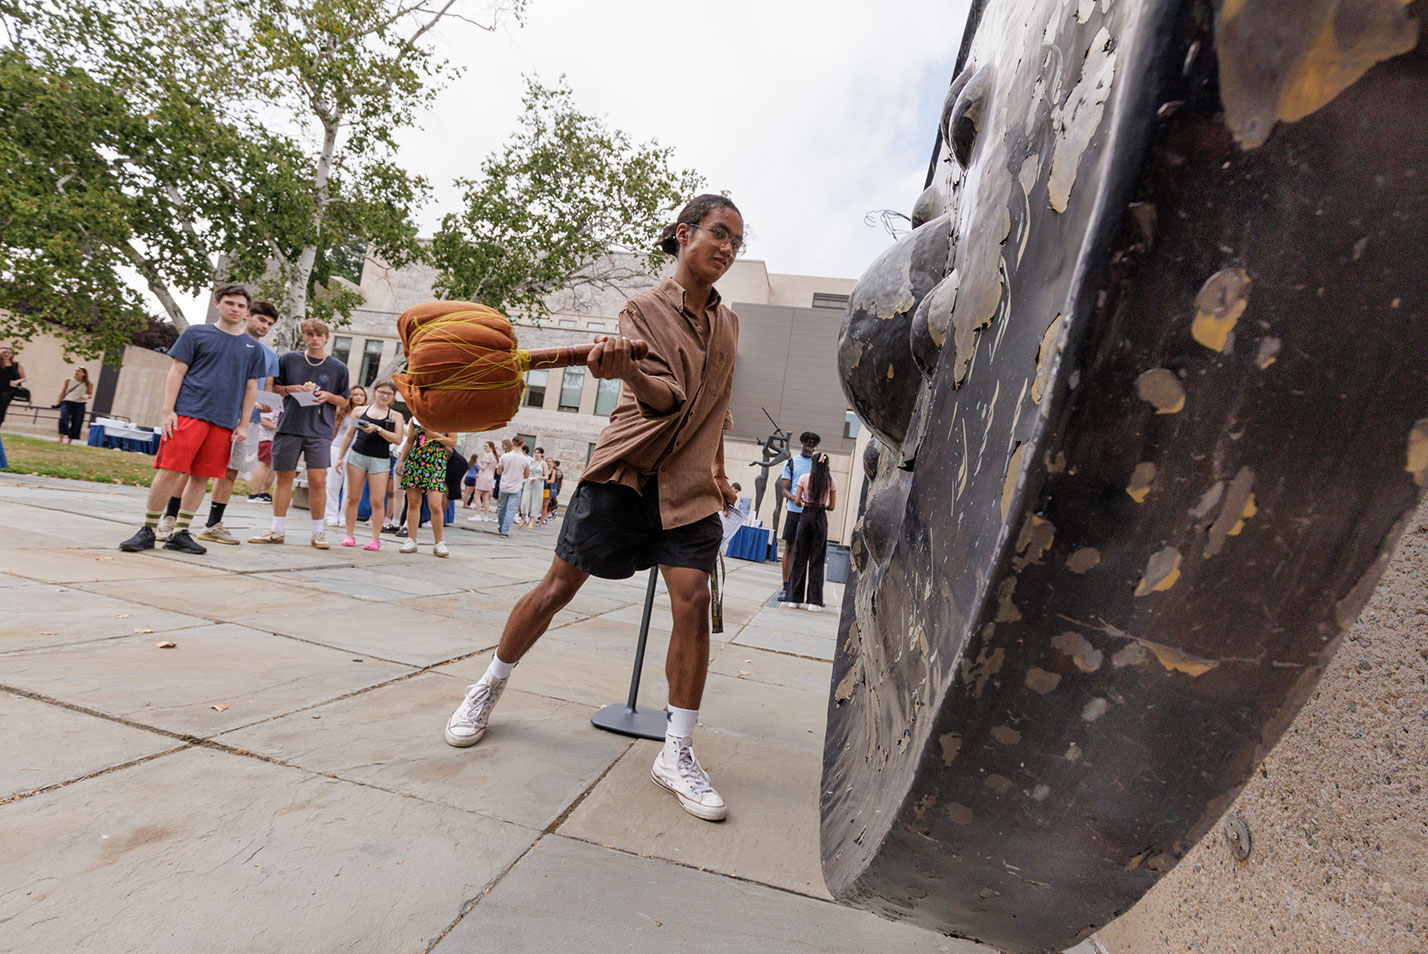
[
  {"x": 261, "y": 474},
  {"x": 413, "y": 514},
  {"x": 163, "y": 486},
  {"x": 283, "y": 492},
  {"x": 687, "y": 662},
  {"x": 377, "y": 497},
  {"x": 317, "y": 492},
  {"x": 355, "y": 476},
  {"x": 533, "y": 612},
  {"x": 193, "y": 493},
  {"x": 436, "y": 500}
]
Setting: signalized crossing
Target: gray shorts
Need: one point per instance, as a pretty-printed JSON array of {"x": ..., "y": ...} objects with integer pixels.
[
  {"x": 316, "y": 451},
  {"x": 372, "y": 465}
]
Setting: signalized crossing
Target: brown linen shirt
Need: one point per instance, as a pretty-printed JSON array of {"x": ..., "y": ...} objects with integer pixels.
[{"x": 679, "y": 445}]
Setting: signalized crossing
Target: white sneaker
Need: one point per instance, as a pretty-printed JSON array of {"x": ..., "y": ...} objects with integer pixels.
[
  {"x": 165, "y": 527},
  {"x": 813, "y": 607},
  {"x": 475, "y": 518},
  {"x": 332, "y": 522},
  {"x": 677, "y": 771},
  {"x": 409, "y": 545},
  {"x": 440, "y": 550},
  {"x": 319, "y": 540},
  {"x": 468, "y": 723}
]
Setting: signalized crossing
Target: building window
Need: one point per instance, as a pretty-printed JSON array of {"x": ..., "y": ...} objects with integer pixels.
[
  {"x": 834, "y": 302},
  {"x": 371, "y": 362},
  {"x": 535, "y": 388},
  {"x": 595, "y": 325},
  {"x": 342, "y": 348},
  {"x": 530, "y": 443},
  {"x": 570, "y": 387},
  {"x": 567, "y": 322},
  {"x": 851, "y": 425},
  {"x": 607, "y": 394},
  {"x": 589, "y": 453}
]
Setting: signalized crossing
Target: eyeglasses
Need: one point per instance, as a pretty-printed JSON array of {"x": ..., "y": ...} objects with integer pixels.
[{"x": 722, "y": 236}]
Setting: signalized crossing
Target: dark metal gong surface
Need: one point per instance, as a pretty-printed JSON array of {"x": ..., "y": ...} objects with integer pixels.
[{"x": 1151, "y": 388}]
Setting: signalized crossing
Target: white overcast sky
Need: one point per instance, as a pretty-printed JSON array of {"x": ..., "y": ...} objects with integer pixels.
[{"x": 810, "y": 113}]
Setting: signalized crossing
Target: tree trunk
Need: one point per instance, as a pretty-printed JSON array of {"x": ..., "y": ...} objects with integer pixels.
[
  {"x": 156, "y": 285},
  {"x": 295, "y": 297}
]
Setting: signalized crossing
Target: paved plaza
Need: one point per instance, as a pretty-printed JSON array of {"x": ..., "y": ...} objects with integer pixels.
[{"x": 276, "y": 781}]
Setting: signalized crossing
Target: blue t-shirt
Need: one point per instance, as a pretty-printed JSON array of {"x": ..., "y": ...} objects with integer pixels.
[
  {"x": 796, "y": 467},
  {"x": 270, "y": 370},
  {"x": 220, "y": 366}
]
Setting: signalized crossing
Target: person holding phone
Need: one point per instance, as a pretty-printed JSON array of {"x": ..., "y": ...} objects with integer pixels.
[{"x": 366, "y": 453}]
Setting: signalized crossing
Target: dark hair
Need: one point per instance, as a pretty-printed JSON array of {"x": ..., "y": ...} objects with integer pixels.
[
  {"x": 540, "y": 450},
  {"x": 818, "y": 478},
  {"x": 693, "y": 214},
  {"x": 261, "y": 306},
  {"x": 807, "y": 436},
  {"x": 81, "y": 368},
  {"x": 518, "y": 441},
  {"x": 227, "y": 291}
]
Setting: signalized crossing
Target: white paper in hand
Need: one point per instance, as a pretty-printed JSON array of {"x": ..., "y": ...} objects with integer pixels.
[
  {"x": 304, "y": 398},
  {"x": 732, "y": 521}
]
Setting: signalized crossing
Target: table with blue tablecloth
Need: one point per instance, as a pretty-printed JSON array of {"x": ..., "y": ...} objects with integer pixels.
[
  {"x": 754, "y": 543},
  {"x": 124, "y": 437}
]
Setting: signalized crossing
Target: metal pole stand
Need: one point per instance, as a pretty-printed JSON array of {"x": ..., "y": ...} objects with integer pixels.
[{"x": 641, "y": 722}]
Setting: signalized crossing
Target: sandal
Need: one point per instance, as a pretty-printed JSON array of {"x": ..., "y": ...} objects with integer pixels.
[
  {"x": 371, "y": 545},
  {"x": 349, "y": 541}
]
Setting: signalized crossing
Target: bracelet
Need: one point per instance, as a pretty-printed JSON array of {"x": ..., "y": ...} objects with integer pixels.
[{"x": 717, "y": 476}]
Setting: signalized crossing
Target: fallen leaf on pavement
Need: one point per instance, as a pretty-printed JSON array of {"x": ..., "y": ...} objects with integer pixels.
[
  {"x": 103, "y": 559},
  {"x": 49, "y": 634},
  {"x": 143, "y": 629},
  {"x": 165, "y": 644},
  {"x": 121, "y": 615},
  {"x": 745, "y": 672},
  {"x": 218, "y": 706}
]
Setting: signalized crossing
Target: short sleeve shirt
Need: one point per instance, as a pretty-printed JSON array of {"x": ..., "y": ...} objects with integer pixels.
[
  {"x": 794, "y": 469},
  {"x": 679, "y": 446},
  {"x": 220, "y": 366},
  {"x": 803, "y": 486},
  {"x": 318, "y": 420},
  {"x": 513, "y": 471},
  {"x": 270, "y": 370}
]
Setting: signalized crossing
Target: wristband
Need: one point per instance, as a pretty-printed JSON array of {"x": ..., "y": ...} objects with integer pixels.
[{"x": 725, "y": 476}]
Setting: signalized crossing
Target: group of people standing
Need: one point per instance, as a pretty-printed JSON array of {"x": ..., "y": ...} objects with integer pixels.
[
  {"x": 527, "y": 488},
  {"x": 72, "y": 402},
  {"x": 809, "y": 492}
]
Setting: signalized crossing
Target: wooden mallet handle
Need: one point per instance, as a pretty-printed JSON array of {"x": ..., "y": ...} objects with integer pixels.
[{"x": 574, "y": 355}]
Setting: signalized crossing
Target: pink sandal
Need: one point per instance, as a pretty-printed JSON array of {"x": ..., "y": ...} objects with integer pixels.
[
  {"x": 372, "y": 545},
  {"x": 349, "y": 541}
]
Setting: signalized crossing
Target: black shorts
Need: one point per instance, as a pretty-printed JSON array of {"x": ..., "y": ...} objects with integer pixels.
[
  {"x": 790, "y": 525},
  {"x": 611, "y": 531}
]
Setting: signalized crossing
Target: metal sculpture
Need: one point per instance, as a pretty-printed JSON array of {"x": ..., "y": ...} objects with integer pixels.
[
  {"x": 1149, "y": 381},
  {"x": 775, "y": 451}
]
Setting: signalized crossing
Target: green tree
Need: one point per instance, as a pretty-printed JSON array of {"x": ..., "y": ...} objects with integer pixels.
[
  {"x": 198, "y": 142},
  {"x": 547, "y": 211}
]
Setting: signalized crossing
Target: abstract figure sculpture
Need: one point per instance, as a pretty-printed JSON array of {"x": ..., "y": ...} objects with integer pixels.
[{"x": 1149, "y": 382}]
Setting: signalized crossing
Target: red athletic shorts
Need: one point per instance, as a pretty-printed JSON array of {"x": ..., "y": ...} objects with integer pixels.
[
  {"x": 265, "y": 451},
  {"x": 198, "y": 448}
]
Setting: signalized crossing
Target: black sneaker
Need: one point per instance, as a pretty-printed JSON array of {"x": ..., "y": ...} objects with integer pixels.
[
  {"x": 184, "y": 543},
  {"x": 143, "y": 540},
  {"x": 783, "y": 595}
]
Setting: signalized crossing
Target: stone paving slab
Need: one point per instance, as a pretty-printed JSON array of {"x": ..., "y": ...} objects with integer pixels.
[
  {"x": 798, "y": 644},
  {"x": 369, "y": 627},
  {"x": 787, "y": 718},
  {"x": 560, "y": 667},
  {"x": 775, "y": 669},
  {"x": 369, "y": 583},
  {"x": 770, "y": 836},
  {"x": 225, "y": 853},
  {"x": 538, "y": 755},
  {"x": 43, "y": 615},
  {"x": 96, "y": 566},
  {"x": 229, "y": 596},
  {"x": 253, "y": 674},
  {"x": 570, "y": 896},
  {"x": 480, "y": 615},
  {"x": 48, "y": 745}
]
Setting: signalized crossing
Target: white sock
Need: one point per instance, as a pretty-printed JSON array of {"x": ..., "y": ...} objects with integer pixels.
[
  {"x": 498, "y": 669},
  {"x": 679, "y": 723},
  {"x": 318, "y": 525},
  {"x": 279, "y": 523}
]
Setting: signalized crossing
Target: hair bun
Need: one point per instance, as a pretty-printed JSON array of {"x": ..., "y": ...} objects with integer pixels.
[{"x": 667, "y": 242}]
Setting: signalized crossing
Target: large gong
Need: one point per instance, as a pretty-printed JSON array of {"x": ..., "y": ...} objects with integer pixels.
[{"x": 1150, "y": 387}]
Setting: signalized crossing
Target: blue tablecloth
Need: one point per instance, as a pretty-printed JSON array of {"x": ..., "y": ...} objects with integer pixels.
[
  {"x": 98, "y": 438},
  {"x": 754, "y": 543},
  {"x": 3, "y": 462}
]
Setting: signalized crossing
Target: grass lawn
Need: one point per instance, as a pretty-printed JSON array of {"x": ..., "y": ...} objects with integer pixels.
[{"x": 46, "y": 458}]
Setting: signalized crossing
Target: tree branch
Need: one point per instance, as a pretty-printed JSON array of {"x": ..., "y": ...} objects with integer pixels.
[{"x": 161, "y": 291}]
